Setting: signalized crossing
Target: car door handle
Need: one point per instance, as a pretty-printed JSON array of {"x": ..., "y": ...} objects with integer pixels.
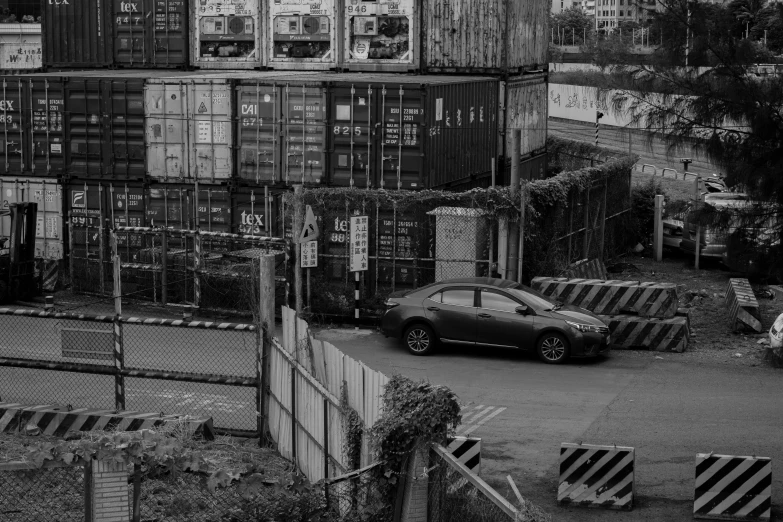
[
  {"x": 485, "y": 316},
  {"x": 433, "y": 308}
]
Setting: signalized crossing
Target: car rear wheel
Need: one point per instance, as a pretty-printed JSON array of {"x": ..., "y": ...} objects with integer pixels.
[
  {"x": 419, "y": 339},
  {"x": 553, "y": 348}
]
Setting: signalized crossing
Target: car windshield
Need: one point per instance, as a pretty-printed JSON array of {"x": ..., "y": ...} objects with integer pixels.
[{"x": 534, "y": 298}]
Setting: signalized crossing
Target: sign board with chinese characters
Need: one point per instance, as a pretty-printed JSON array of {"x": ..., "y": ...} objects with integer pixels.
[
  {"x": 360, "y": 240},
  {"x": 309, "y": 255}
]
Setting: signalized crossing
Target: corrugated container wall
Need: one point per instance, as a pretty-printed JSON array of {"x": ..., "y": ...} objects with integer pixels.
[
  {"x": 302, "y": 35},
  {"x": 253, "y": 215},
  {"x": 228, "y": 34},
  {"x": 31, "y": 126},
  {"x": 483, "y": 36},
  {"x": 189, "y": 130},
  {"x": 127, "y": 33},
  {"x": 104, "y": 128},
  {"x": 381, "y": 36},
  {"x": 526, "y": 109},
  {"x": 47, "y": 193},
  {"x": 182, "y": 206}
]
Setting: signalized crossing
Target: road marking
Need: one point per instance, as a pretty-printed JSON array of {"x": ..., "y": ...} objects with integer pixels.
[
  {"x": 477, "y": 417},
  {"x": 483, "y": 421}
]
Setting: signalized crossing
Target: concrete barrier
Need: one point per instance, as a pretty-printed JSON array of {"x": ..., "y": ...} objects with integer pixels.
[
  {"x": 732, "y": 488},
  {"x": 659, "y": 335},
  {"x": 742, "y": 305},
  {"x": 596, "y": 476},
  {"x": 612, "y": 297},
  {"x": 467, "y": 450},
  {"x": 586, "y": 269},
  {"x": 58, "y": 420}
]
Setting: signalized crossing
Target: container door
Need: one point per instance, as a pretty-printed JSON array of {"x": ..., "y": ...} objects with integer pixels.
[
  {"x": 213, "y": 209},
  {"x": 170, "y": 208},
  {"x": 303, "y": 33},
  {"x": 49, "y": 224},
  {"x": 259, "y": 134},
  {"x": 165, "y": 110},
  {"x": 150, "y": 33},
  {"x": 86, "y": 204},
  {"x": 14, "y": 157},
  {"x": 227, "y": 34},
  {"x": 210, "y": 129},
  {"x": 304, "y": 124},
  {"x": 352, "y": 122},
  {"x": 126, "y": 109},
  {"x": 47, "y": 108},
  {"x": 255, "y": 216},
  {"x": 86, "y": 128},
  {"x": 401, "y": 159},
  {"x": 77, "y": 34}
]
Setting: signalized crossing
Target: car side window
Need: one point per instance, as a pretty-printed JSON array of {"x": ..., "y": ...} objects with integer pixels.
[
  {"x": 438, "y": 297},
  {"x": 458, "y": 297},
  {"x": 497, "y": 301}
]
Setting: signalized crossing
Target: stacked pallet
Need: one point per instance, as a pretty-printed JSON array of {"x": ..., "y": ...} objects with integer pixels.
[{"x": 638, "y": 314}]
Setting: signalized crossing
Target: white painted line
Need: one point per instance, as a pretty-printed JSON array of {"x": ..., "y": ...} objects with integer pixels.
[
  {"x": 482, "y": 421},
  {"x": 476, "y": 417},
  {"x": 472, "y": 412}
]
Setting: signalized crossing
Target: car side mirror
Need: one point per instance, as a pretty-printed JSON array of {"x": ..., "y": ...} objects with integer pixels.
[{"x": 523, "y": 310}]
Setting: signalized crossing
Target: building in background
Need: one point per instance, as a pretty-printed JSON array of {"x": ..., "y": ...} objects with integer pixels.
[
  {"x": 561, "y": 5},
  {"x": 609, "y": 14}
]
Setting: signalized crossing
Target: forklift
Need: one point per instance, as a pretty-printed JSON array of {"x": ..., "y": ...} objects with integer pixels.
[{"x": 17, "y": 253}]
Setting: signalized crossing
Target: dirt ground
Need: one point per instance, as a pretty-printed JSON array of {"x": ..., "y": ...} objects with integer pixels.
[{"x": 711, "y": 333}]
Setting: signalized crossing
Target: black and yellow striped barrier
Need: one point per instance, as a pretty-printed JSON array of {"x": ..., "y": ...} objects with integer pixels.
[
  {"x": 596, "y": 476},
  {"x": 732, "y": 488},
  {"x": 58, "y": 420},
  {"x": 743, "y": 306},
  {"x": 612, "y": 297},
  {"x": 659, "y": 335}
]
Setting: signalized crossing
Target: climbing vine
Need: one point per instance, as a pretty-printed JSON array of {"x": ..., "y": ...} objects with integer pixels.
[{"x": 353, "y": 429}]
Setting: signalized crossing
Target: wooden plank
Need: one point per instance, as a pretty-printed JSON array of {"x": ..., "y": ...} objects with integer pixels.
[{"x": 476, "y": 481}]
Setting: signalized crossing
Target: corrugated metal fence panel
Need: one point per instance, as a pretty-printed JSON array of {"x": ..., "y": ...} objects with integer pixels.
[
  {"x": 353, "y": 374},
  {"x": 48, "y": 194},
  {"x": 526, "y": 109},
  {"x": 463, "y": 129},
  {"x": 310, "y": 417},
  {"x": 280, "y": 404},
  {"x": 373, "y": 395},
  {"x": 527, "y": 40},
  {"x": 77, "y": 34},
  {"x": 336, "y": 439},
  {"x": 289, "y": 330},
  {"x": 319, "y": 362},
  {"x": 334, "y": 369},
  {"x": 464, "y": 34}
]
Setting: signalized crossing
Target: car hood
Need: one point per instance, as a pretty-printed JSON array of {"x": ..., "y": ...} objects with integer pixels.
[{"x": 576, "y": 314}]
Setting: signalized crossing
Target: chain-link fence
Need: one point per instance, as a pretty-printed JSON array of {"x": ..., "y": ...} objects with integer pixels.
[
  {"x": 203, "y": 369},
  {"x": 356, "y": 496},
  {"x": 50, "y": 493}
]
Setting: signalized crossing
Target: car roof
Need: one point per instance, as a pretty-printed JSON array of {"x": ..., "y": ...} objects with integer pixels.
[{"x": 487, "y": 281}]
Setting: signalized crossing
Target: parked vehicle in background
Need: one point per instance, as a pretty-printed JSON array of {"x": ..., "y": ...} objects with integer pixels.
[{"x": 493, "y": 312}]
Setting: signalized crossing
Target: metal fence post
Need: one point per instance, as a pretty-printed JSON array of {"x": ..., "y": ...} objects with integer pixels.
[
  {"x": 88, "y": 516},
  {"x": 164, "y": 261},
  {"x": 603, "y": 221},
  {"x": 119, "y": 365},
  {"x": 71, "y": 265},
  {"x": 196, "y": 269},
  {"x": 326, "y": 439},
  {"x": 586, "y": 224}
]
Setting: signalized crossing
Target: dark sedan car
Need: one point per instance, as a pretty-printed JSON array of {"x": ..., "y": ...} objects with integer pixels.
[{"x": 493, "y": 312}]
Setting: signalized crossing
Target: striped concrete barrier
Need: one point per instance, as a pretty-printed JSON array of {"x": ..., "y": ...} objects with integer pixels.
[
  {"x": 658, "y": 335},
  {"x": 596, "y": 476},
  {"x": 742, "y": 305},
  {"x": 586, "y": 269},
  {"x": 732, "y": 488},
  {"x": 58, "y": 420},
  {"x": 612, "y": 297},
  {"x": 467, "y": 450}
]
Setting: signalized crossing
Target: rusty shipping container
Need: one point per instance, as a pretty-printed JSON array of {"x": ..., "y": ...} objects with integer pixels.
[
  {"x": 302, "y": 35},
  {"x": 526, "y": 107},
  {"x": 228, "y": 34},
  {"x": 188, "y": 128},
  {"x": 256, "y": 212},
  {"x": 123, "y": 33},
  {"x": 483, "y": 36},
  {"x": 48, "y": 194},
  {"x": 31, "y": 126}
]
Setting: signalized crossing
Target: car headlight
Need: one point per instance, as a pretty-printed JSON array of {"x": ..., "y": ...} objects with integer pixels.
[{"x": 582, "y": 327}]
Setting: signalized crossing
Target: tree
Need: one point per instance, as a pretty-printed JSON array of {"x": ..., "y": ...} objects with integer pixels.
[
  {"x": 733, "y": 117},
  {"x": 574, "y": 24}
]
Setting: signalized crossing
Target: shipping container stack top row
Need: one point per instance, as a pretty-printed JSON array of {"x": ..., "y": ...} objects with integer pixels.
[
  {"x": 255, "y": 128},
  {"x": 428, "y": 36}
]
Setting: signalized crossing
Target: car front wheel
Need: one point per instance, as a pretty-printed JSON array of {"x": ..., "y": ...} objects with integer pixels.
[
  {"x": 419, "y": 339},
  {"x": 553, "y": 348}
]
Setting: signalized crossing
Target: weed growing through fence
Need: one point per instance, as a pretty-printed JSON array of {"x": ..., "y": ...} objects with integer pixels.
[{"x": 354, "y": 430}]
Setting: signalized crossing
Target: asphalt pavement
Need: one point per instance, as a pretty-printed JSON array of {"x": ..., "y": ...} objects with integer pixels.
[{"x": 668, "y": 406}]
